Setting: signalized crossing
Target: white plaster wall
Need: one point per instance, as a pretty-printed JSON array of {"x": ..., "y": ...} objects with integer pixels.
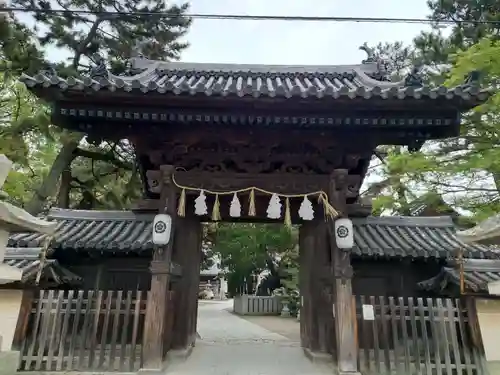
[
  {"x": 488, "y": 312},
  {"x": 10, "y": 304},
  {"x": 4, "y": 237},
  {"x": 494, "y": 288}
]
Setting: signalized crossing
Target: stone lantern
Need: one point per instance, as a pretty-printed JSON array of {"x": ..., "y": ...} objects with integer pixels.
[{"x": 14, "y": 219}]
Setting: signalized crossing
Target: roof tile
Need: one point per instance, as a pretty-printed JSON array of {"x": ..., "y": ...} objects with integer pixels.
[
  {"x": 476, "y": 275},
  {"x": 28, "y": 260},
  {"x": 398, "y": 236},
  {"x": 347, "y": 81}
]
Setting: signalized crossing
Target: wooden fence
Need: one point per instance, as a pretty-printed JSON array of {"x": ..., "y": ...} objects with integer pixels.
[
  {"x": 85, "y": 331},
  {"x": 417, "y": 336},
  {"x": 256, "y": 305}
]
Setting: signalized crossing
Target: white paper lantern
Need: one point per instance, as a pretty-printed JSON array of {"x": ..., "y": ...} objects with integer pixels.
[
  {"x": 344, "y": 233},
  {"x": 162, "y": 227}
]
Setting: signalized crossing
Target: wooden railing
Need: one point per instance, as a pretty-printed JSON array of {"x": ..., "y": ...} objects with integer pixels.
[
  {"x": 256, "y": 305},
  {"x": 85, "y": 331},
  {"x": 416, "y": 336}
]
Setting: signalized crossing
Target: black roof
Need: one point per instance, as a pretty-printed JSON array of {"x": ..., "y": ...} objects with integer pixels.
[
  {"x": 127, "y": 231},
  {"x": 477, "y": 274},
  {"x": 28, "y": 260},
  {"x": 363, "y": 81},
  {"x": 416, "y": 237}
]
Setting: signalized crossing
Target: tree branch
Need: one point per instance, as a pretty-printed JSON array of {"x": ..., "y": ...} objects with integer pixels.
[{"x": 108, "y": 157}]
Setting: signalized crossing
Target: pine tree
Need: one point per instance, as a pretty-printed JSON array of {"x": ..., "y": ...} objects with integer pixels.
[{"x": 112, "y": 28}]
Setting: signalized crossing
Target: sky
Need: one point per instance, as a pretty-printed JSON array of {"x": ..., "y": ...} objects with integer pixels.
[{"x": 292, "y": 43}]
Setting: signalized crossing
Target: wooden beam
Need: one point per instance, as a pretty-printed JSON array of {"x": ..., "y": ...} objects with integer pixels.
[
  {"x": 345, "y": 312},
  {"x": 284, "y": 183},
  {"x": 156, "y": 313}
]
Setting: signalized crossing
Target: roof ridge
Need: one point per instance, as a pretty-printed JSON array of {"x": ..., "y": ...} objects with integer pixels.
[
  {"x": 71, "y": 214},
  {"x": 142, "y": 63},
  {"x": 426, "y": 221}
]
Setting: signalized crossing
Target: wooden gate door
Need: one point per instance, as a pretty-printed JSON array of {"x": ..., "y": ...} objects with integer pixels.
[{"x": 416, "y": 336}]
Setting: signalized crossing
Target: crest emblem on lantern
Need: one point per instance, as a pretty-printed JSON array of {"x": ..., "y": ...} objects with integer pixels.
[
  {"x": 342, "y": 231},
  {"x": 160, "y": 227}
]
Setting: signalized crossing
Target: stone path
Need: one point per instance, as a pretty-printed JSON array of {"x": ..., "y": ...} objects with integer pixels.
[{"x": 229, "y": 345}]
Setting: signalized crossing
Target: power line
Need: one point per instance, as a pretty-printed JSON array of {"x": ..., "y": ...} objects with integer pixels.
[{"x": 244, "y": 17}]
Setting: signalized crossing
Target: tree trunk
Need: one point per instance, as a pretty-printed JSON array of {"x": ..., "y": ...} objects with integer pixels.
[
  {"x": 49, "y": 184},
  {"x": 64, "y": 188}
]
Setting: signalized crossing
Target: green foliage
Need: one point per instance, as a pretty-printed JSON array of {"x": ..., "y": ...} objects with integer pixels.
[
  {"x": 26, "y": 137},
  {"x": 18, "y": 49},
  {"x": 110, "y": 34},
  {"x": 464, "y": 171},
  {"x": 55, "y": 167},
  {"x": 248, "y": 249}
]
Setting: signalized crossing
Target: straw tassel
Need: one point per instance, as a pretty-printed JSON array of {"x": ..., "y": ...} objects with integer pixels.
[
  {"x": 216, "y": 209},
  {"x": 181, "y": 209},
  {"x": 328, "y": 209},
  {"x": 251, "y": 205},
  {"x": 288, "y": 217}
]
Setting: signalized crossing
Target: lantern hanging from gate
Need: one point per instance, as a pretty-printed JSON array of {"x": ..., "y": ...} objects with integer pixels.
[
  {"x": 344, "y": 233},
  {"x": 162, "y": 226}
]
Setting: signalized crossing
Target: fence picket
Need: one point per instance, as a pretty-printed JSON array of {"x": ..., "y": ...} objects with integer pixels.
[
  {"x": 375, "y": 331},
  {"x": 104, "y": 332},
  {"x": 414, "y": 334},
  {"x": 34, "y": 333},
  {"x": 135, "y": 328},
  {"x": 124, "y": 335},
  {"x": 95, "y": 329},
  {"x": 418, "y": 336},
  {"x": 72, "y": 331},
  {"x": 46, "y": 311},
  {"x": 54, "y": 331},
  {"x": 395, "y": 336},
  {"x": 452, "y": 323},
  {"x": 84, "y": 333},
  {"x": 114, "y": 335},
  {"x": 385, "y": 333}
]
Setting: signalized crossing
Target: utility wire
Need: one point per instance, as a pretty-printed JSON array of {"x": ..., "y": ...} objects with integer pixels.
[{"x": 243, "y": 17}]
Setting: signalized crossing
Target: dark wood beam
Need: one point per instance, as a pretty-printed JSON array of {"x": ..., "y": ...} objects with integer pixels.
[
  {"x": 345, "y": 310},
  {"x": 156, "y": 313}
]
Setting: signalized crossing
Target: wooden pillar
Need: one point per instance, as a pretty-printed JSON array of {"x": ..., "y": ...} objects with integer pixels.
[
  {"x": 155, "y": 320},
  {"x": 308, "y": 326},
  {"x": 316, "y": 323},
  {"x": 345, "y": 313},
  {"x": 188, "y": 256}
]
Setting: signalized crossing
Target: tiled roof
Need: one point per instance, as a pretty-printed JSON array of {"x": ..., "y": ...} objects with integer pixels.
[
  {"x": 476, "y": 275},
  {"x": 96, "y": 230},
  {"x": 417, "y": 237},
  {"x": 28, "y": 261},
  {"x": 420, "y": 237},
  {"x": 178, "y": 78}
]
